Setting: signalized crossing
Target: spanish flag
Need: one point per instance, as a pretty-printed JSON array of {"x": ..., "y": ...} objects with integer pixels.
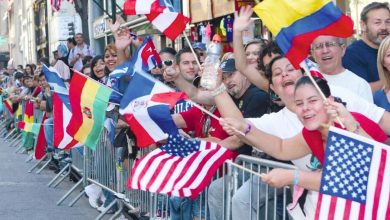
[
  {"x": 296, "y": 23},
  {"x": 88, "y": 101}
]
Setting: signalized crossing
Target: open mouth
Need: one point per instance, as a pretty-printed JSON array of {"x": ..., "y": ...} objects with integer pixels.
[
  {"x": 288, "y": 83},
  {"x": 231, "y": 86},
  {"x": 326, "y": 58}
]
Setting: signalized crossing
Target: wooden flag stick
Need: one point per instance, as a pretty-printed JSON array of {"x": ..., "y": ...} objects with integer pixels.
[{"x": 192, "y": 49}]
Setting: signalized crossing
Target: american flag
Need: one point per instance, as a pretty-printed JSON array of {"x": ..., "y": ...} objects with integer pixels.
[
  {"x": 355, "y": 181},
  {"x": 181, "y": 168}
]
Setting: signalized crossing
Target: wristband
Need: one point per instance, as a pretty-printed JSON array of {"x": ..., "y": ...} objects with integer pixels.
[
  {"x": 219, "y": 90},
  {"x": 296, "y": 177},
  {"x": 248, "y": 129}
]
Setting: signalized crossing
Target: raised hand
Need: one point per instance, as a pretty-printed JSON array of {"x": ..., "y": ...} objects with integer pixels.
[
  {"x": 242, "y": 20},
  {"x": 170, "y": 73},
  {"x": 122, "y": 36}
]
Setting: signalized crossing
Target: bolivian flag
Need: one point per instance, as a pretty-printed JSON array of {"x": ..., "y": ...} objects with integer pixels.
[
  {"x": 88, "y": 101},
  {"x": 296, "y": 23},
  {"x": 29, "y": 127}
]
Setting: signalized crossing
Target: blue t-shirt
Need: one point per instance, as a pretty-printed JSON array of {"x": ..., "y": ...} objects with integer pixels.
[
  {"x": 380, "y": 99},
  {"x": 361, "y": 60}
]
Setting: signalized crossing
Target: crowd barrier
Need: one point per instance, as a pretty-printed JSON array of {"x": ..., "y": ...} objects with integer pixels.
[{"x": 106, "y": 168}]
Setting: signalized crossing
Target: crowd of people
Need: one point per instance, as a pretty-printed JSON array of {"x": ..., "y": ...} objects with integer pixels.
[{"x": 258, "y": 93}]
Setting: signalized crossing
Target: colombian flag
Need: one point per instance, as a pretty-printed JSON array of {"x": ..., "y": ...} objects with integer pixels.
[
  {"x": 88, "y": 100},
  {"x": 296, "y": 23}
]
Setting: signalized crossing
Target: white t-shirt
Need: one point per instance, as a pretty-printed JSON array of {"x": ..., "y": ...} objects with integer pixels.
[
  {"x": 285, "y": 124},
  {"x": 352, "y": 82}
]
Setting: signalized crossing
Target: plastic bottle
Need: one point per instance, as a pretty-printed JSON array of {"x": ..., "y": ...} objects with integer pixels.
[{"x": 211, "y": 64}]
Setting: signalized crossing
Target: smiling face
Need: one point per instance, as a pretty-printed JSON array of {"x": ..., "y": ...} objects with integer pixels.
[
  {"x": 252, "y": 53},
  {"x": 377, "y": 26},
  {"x": 98, "y": 69},
  {"x": 188, "y": 66},
  {"x": 284, "y": 76},
  {"x": 328, "y": 53},
  {"x": 110, "y": 59},
  {"x": 309, "y": 107}
]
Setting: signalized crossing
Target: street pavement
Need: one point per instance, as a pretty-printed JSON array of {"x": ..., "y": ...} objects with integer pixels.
[{"x": 25, "y": 195}]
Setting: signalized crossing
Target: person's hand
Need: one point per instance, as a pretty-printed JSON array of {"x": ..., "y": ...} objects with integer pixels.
[
  {"x": 114, "y": 27},
  {"x": 233, "y": 126},
  {"x": 337, "y": 111},
  {"x": 242, "y": 19},
  {"x": 171, "y": 73},
  {"x": 278, "y": 177}
]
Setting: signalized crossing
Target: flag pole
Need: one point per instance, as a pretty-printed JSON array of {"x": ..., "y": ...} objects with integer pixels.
[
  {"x": 307, "y": 72},
  {"x": 244, "y": 168},
  {"x": 192, "y": 49}
]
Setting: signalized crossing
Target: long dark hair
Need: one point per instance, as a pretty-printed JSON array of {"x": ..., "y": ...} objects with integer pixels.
[{"x": 93, "y": 64}]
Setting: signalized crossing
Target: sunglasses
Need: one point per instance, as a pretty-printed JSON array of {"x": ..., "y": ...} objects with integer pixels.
[{"x": 168, "y": 62}]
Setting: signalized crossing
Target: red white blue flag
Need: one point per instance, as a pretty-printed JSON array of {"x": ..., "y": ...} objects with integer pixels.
[
  {"x": 61, "y": 109},
  {"x": 181, "y": 168},
  {"x": 137, "y": 7},
  {"x": 312, "y": 68},
  {"x": 146, "y": 107},
  {"x": 355, "y": 181}
]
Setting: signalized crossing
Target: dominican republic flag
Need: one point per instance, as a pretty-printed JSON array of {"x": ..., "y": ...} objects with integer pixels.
[
  {"x": 312, "y": 68},
  {"x": 146, "y": 107},
  {"x": 181, "y": 168},
  {"x": 161, "y": 14},
  {"x": 61, "y": 109},
  {"x": 355, "y": 181},
  {"x": 144, "y": 59}
]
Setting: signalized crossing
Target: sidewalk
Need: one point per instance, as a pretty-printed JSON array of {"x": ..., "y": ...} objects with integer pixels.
[{"x": 25, "y": 195}]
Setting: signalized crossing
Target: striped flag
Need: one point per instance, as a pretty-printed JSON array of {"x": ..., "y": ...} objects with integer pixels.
[
  {"x": 355, "y": 181},
  {"x": 61, "y": 109},
  {"x": 181, "y": 168},
  {"x": 29, "y": 127},
  {"x": 312, "y": 68},
  {"x": 136, "y": 7},
  {"x": 295, "y": 24},
  {"x": 89, "y": 100},
  {"x": 8, "y": 105}
]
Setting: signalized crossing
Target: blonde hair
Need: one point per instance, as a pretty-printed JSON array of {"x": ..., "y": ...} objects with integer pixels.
[{"x": 384, "y": 74}]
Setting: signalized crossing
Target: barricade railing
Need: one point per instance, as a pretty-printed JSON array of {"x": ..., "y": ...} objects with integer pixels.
[{"x": 266, "y": 202}]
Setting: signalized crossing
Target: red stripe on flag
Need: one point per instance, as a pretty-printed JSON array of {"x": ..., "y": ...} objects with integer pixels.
[
  {"x": 75, "y": 102},
  {"x": 332, "y": 207},
  {"x": 142, "y": 136},
  {"x": 39, "y": 151},
  {"x": 129, "y": 7},
  {"x": 300, "y": 46},
  {"x": 362, "y": 210},
  {"x": 347, "y": 209},
  {"x": 388, "y": 207},
  {"x": 58, "y": 120},
  {"x": 8, "y": 105},
  {"x": 168, "y": 176},
  {"x": 379, "y": 181},
  {"x": 318, "y": 209}
]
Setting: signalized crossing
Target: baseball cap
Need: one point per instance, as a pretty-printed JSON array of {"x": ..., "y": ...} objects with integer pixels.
[
  {"x": 228, "y": 66},
  {"x": 199, "y": 45}
]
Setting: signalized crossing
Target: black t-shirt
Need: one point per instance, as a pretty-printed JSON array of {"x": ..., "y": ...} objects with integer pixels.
[{"x": 253, "y": 104}]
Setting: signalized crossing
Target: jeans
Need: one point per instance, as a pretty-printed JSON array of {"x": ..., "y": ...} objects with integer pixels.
[
  {"x": 184, "y": 208},
  {"x": 49, "y": 136}
]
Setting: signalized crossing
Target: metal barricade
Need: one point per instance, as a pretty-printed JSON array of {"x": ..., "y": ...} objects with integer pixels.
[{"x": 265, "y": 202}]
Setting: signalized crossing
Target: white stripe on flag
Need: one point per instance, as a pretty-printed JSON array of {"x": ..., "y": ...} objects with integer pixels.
[
  {"x": 355, "y": 209},
  {"x": 174, "y": 177},
  {"x": 142, "y": 163},
  {"x": 164, "y": 20},
  {"x": 152, "y": 169},
  {"x": 383, "y": 204},
  {"x": 372, "y": 181},
  {"x": 144, "y": 6},
  {"x": 162, "y": 174},
  {"x": 325, "y": 204},
  {"x": 142, "y": 116},
  {"x": 66, "y": 115},
  {"x": 340, "y": 208}
]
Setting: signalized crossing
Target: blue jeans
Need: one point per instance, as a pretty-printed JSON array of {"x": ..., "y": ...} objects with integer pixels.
[
  {"x": 183, "y": 208},
  {"x": 49, "y": 136}
]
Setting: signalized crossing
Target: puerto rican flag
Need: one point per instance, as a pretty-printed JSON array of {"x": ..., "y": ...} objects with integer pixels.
[
  {"x": 146, "y": 107},
  {"x": 61, "y": 109},
  {"x": 310, "y": 66},
  {"x": 161, "y": 14}
]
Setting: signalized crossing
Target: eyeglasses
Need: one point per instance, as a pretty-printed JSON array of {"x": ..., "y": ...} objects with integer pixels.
[
  {"x": 168, "y": 62},
  {"x": 327, "y": 44}
]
